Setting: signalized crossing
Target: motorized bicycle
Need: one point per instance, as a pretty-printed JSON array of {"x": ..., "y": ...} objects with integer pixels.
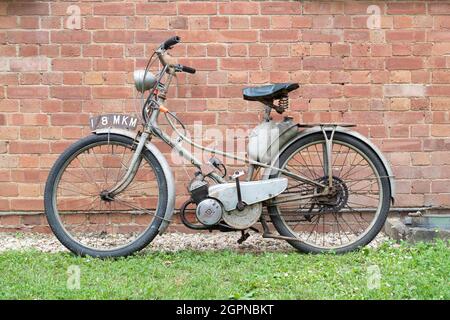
[{"x": 323, "y": 187}]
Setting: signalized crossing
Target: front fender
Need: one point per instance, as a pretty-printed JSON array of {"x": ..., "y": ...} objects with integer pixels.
[
  {"x": 164, "y": 165},
  {"x": 344, "y": 130}
]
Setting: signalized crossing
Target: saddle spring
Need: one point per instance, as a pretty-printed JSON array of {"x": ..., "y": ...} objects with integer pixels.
[{"x": 283, "y": 104}]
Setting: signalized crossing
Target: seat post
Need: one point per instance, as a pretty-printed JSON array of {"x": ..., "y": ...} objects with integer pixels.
[{"x": 267, "y": 110}]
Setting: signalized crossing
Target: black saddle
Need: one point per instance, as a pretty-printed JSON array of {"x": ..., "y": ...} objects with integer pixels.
[{"x": 269, "y": 92}]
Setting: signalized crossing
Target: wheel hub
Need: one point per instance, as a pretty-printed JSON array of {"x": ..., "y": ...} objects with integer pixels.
[
  {"x": 105, "y": 196},
  {"x": 337, "y": 197}
]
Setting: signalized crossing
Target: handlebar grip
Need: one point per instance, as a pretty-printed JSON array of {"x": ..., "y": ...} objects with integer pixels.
[
  {"x": 188, "y": 69},
  {"x": 170, "y": 42}
]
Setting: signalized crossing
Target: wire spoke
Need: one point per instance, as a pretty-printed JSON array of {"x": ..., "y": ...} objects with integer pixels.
[{"x": 307, "y": 213}]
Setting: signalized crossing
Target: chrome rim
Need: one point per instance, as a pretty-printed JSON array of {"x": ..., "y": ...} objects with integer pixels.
[
  {"x": 90, "y": 219},
  {"x": 339, "y": 221}
]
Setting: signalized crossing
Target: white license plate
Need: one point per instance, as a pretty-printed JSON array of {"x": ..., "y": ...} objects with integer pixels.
[{"x": 121, "y": 121}]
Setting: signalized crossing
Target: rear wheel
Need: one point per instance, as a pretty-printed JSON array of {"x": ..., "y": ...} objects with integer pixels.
[
  {"x": 87, "y": 221},
  {"x": 348, "y": 218}
]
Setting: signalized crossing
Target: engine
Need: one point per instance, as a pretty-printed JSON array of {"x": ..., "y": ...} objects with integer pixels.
[{"x": 209, "y": 211}]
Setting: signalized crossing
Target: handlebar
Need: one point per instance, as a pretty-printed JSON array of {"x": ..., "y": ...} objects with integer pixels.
[
  {"x": 164, "y": 58},
  {"x": 186, "y": 69},
  {"x": 170, "y": 42}
]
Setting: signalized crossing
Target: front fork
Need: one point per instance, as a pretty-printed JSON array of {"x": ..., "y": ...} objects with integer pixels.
[{"x": 132, "y": 169}]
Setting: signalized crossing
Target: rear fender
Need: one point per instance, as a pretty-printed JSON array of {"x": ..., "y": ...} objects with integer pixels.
[
  {"x": 344, "y": 130},
  {"x": 164, "y": 165}
]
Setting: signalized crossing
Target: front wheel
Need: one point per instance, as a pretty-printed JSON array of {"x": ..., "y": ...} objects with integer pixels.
[
  {"x": 351, "y": 215},
  {"x": 85, "y": 220}
]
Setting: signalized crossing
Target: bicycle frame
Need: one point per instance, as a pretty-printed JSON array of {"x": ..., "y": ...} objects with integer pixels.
[{"x": 152, "y": 128}]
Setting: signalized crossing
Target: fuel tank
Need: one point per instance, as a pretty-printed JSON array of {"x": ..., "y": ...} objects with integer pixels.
[{"x": 266, "y": 140}]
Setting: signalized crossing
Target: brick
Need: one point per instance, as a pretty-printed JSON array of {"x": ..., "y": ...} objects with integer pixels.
[
  {"x": 28, "y": 147},
  {"x": 440, "y": 130},
  {"x": 28, "y": 120},
  {"x": 440, "y": 186},
  {"x": 401, "y": 145},
  {"x": 331, "y": 36},
  {"x": 120, "y": 9},
  {"x": 154, "y": 8},
  {"x": 10, "y": 220},
  {"x": 28, "y": 8},
  {"x": 439, "y": 36},
  {"x": 322, "y": 63},
  {"x": 402, "y": 90},
  {"x": 329, "y": 7},
  {"x": 279, "y": 36},
  {"x": 70, "y": 36},
  {"x": 420, "y": 130},
  {"x": 38, "y": 37},
  {"x": 111, "y": 92},
  {"x": 237, "y": 118},
  {"x": 357, "y": 91},
  {"x": 393, "y": 81},
  {"x": 27, "y": 64},
  {"x": 410, "y": 8},
  {"x": 239, "y": 64},
  {"x": 441, "y": 76},
  {"x": 420, "y": 159},
  {"x": 280, "y": 7},
  {"x": 178, "y": 23},
  {"x": 320, "y": 49},
  {"x": 357, "y": 35},
  {"x": 197, "y": 8},
  {"x": 113, "y": 36},
  {"x": 405, "y": 36},
  {"x": 435, "y": 90},
  {"x": 321, "y": 91},
  {"x": 27, "y": 92},
  {"x": 420, "y": 186},
  {"x": 70, "y": 92},
  {"x": 219, "y": 22},
  {"x": 71, "y": 64},
  {"x": 442, "y": 22},
  {"x": 238, "y": 8},
  {"x": 439, "y": 8},
  {"x": 237, "y": 36},
  {"x": 404, "y": 63},
  {"x": 400, "y": 104}
]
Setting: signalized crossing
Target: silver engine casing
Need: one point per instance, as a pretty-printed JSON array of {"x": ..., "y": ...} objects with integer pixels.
[
  {"x": 266, "y": 139},
  {"x": 209, "y": 211}
]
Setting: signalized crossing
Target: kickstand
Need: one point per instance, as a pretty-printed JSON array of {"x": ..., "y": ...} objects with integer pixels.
[{"x": 244, "y": 236}]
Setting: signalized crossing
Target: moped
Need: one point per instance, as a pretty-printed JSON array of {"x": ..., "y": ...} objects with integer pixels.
[{"x": 321, "y": 187}]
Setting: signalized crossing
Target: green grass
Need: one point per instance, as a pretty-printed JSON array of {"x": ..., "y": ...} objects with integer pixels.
[{"x": 407, "y": 272}]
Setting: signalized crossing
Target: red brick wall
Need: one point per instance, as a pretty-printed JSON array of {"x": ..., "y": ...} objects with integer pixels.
[{"x": 392, "y": 80}]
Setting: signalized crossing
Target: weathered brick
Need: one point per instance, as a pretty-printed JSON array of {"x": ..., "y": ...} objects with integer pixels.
[{"x": 393, "y": 81}]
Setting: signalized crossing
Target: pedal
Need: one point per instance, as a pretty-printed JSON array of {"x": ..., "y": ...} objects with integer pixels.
[
  {"x": 237, "y": 174},
  {"x": 244, "y": 236}
]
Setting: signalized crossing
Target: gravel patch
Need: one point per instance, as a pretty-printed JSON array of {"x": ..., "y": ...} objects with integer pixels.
[{"x": 168, "y": 242}]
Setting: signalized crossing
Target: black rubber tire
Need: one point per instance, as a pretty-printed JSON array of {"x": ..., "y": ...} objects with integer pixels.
[
  {"x": 280, "y": 225},
  {"x": 142, "y": 241}
]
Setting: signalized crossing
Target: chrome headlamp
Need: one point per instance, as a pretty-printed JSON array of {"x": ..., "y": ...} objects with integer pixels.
[{"x": 142, "y": 84}]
